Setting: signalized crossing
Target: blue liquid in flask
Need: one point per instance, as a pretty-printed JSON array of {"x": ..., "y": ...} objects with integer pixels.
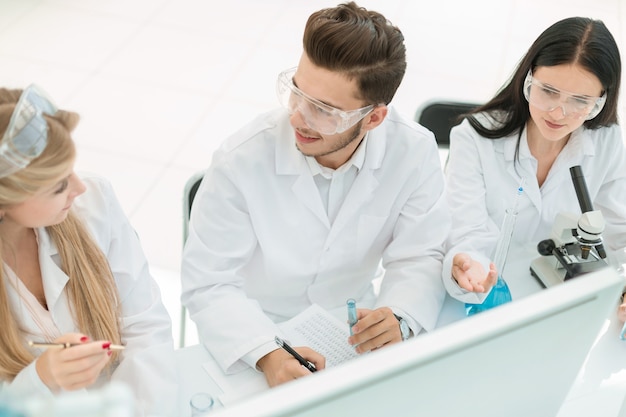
[{"x": 499, "y": 294}]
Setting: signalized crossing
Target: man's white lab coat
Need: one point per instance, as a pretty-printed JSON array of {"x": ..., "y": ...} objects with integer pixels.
[{"x": 261, "y": 248}]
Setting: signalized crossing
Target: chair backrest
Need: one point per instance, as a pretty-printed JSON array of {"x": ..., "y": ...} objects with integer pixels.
[
  {"x": 440, "y": 116},
  {"x": 189, "y": 193}
]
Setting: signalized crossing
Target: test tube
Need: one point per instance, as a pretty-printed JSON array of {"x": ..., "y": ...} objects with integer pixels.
[
  {"x": 504, "y": 240},
  {"x": 506, "y": 233},
  {"x": 352, "y": 317},
  {"x": 620, "y": 259}
]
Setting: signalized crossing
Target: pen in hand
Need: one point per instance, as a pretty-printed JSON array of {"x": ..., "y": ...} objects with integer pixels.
[
  {"x": 308, "y": 365},
  {"x": 47, "y": 345}
]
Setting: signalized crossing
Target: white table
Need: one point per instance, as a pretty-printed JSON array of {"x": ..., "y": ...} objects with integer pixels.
[{"x": 600, "y": 388}]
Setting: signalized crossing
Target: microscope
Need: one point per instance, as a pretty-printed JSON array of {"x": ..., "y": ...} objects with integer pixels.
[{"x": 575, "y": 245}]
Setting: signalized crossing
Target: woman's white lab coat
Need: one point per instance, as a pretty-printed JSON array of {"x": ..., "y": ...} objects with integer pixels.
[
  {"x": 261, "y": 248},
  {"x": 483, "y": 178},
  {"x": 147, "y": 363}
]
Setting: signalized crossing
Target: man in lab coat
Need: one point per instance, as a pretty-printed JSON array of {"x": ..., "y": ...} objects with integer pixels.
[{"x": 310, "y": 203}]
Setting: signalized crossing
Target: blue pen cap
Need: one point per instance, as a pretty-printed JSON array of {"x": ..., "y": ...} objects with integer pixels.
[{"x": 352, "y": 317}]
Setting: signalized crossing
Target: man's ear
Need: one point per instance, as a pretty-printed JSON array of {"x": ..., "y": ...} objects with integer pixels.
[{"x": 376, "y": 117}]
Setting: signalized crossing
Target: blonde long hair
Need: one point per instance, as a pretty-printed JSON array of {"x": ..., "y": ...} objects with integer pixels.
[{"x": 92, "y": 293}]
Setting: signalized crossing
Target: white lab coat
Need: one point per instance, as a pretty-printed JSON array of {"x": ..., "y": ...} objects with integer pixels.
[
  {"x": 261, "y": 248},
  {"x": 147, "y": 363},
  {"x": 482, "y": 181}
]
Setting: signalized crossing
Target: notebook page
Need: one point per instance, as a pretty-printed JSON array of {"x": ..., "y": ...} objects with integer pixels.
[
  {"x": 314, "y": 327},
  {"x": 322, "y": 332}
]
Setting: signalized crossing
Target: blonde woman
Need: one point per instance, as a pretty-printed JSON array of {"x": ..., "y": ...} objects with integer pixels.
[{"x": 73, "y": 271}]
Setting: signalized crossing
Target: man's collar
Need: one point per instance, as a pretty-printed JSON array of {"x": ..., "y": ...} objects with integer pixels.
[{"x": 357, "y": 159}]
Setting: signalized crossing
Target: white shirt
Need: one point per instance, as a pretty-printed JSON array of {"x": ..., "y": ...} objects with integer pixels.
[
  {"x": 147, "y": 363},
  {"x": 334, "y": 184},
  {"x": 483, "y": 178},
  {"x": 262, "y": 248}
]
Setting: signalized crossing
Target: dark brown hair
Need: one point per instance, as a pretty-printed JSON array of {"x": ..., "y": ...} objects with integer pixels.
[
  {"x": 575, "y": 40},
  {"x": 360, "y": 43}
]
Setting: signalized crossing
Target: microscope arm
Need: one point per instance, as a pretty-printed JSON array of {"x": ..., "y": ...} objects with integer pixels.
[{"x": 591, "y": 223}]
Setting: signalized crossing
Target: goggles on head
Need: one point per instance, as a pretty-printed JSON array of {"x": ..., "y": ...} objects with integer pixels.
[
  {"x": 320, "y": 117},
  {"x": 548, "y": 98},
  {"x": 27, "y": 134}
]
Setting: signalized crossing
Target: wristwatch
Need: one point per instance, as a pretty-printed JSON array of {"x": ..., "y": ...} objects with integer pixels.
[{"x": 404, "y": 328}]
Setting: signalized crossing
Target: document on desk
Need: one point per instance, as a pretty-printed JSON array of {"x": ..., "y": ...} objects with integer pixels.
[
  {"x": 314, "y": 327},
  {"x": 322, "y": 332}
]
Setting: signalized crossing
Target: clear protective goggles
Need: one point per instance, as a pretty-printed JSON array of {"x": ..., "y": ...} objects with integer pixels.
[
  {"x": 318, "y": 116},
  {"x": 548, "y": 98},
  {"x": 27, "y": 134}
]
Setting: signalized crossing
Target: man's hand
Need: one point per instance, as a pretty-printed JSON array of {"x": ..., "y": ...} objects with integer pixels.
[
  {"x": 470, "y": 274},
  {"x": 280, "y": 367},
  {"x": 75, "y": 367},
  {"x": 374, "y": 329}
]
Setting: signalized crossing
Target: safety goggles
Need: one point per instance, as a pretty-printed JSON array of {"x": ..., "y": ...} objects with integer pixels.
[
  {"x": 548, "y": 98},
  {"x": 318, "y": 116},
  {"x": 27, "y": 134}
]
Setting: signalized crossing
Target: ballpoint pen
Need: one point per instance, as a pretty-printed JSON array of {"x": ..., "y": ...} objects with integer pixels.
[
  {"x": 352, "y": 317},
  {"x": 308, "y": 365},
  {"x": 47, "y": 345}
]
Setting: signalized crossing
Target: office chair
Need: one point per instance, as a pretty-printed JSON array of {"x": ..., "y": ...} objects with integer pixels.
[
  {"x": 189, "y": 193},
  {"x": 440, "y": 116}
]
